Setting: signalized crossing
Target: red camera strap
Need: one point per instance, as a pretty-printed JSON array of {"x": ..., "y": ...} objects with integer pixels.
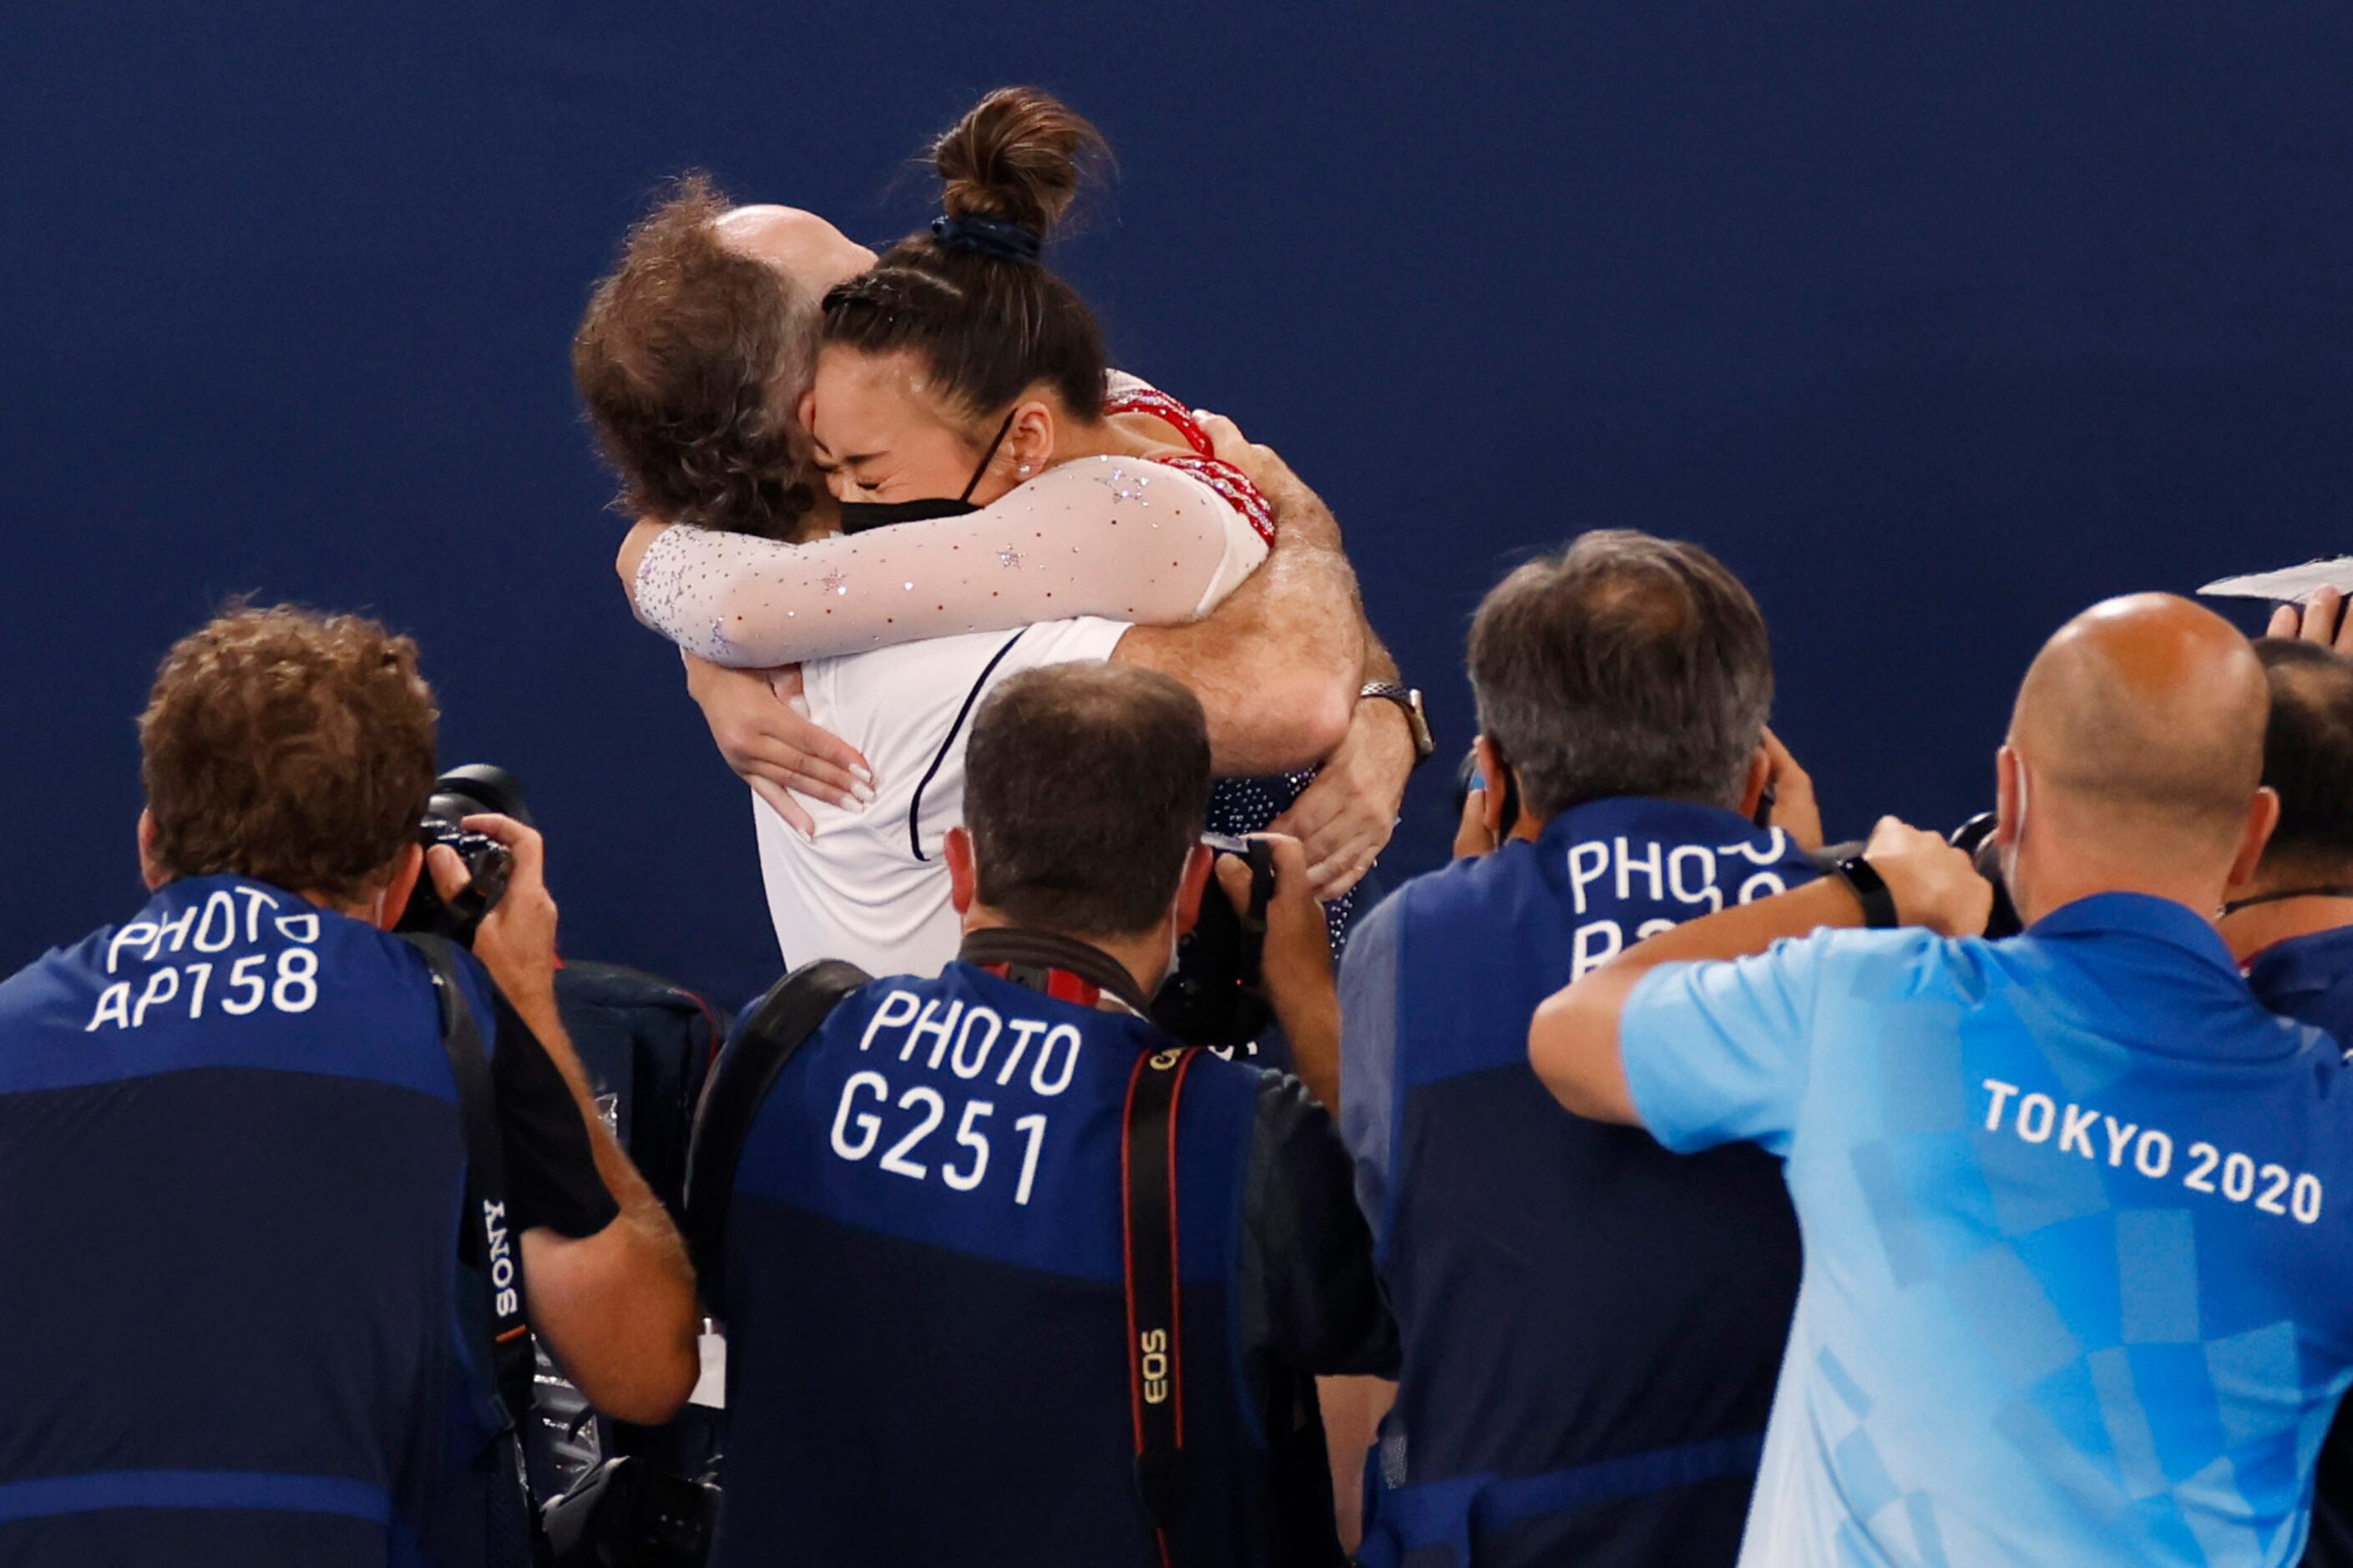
[
  {"x": 1059, "y": 984},
  {"x": 1156, "y": 1366}
]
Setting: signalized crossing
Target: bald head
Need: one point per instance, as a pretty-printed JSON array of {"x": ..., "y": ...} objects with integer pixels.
[
  {"x": 2146, "y": 712},
  {"x": 806, "y": 248}
]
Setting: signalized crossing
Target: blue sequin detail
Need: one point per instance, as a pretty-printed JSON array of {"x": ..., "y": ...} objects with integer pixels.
[{"x": 1243, "y": 807}]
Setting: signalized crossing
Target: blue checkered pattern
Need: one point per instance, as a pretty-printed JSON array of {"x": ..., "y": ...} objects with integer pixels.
[{"x": 2078, "y": 1276}]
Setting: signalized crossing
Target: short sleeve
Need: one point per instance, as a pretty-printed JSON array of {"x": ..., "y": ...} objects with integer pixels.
[
  {"x": 552, "y": 1178},
  {"x": 1084, "y": 640},
  {"x": 1368, "y": 1045},
  {"x": 1717, "y": 1053}
]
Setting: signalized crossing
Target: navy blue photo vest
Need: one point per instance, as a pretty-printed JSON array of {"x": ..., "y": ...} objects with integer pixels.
[
  {"x": 926, "y": 1312},
  {"x": 230, "y": 1175},
  {"x": 1591, "y": 1326},
  {"x": 2310, "y": 979}
]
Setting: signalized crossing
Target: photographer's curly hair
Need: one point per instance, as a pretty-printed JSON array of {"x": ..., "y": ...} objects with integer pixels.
[
  {"x": 692, "y": 358},
  {"x": 293, "y": 748}
]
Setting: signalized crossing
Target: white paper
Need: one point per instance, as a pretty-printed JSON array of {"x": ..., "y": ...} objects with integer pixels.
[
  {"x": 711, "y": 1387},
  {"x": 2291, "y": 584}
]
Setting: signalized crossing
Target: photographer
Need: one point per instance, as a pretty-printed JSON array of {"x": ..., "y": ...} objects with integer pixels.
[
  {"x": 960, "y": 1217},
  {"x": 2291, "y": 924},
  {"x": 2072, "y": 1291},
  {"x": 1590, "y": 1326},
  {"x": 233, "y": 1141}
]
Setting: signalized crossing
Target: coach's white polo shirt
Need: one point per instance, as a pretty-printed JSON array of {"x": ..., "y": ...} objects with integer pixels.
[{"x": 874, "y": 888}]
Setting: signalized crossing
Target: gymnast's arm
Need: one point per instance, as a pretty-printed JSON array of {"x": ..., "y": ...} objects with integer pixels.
[{"x": 1120, "y": 538}]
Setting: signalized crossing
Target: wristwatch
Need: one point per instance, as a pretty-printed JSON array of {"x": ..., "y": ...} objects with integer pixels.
[
  {"x": 1425, "y": 745},
  {"x": 1878, "y": 904}
]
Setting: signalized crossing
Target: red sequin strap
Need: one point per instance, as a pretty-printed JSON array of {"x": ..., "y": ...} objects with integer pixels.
[
  {"x": 1160, "y": 406},
  {"x": 1208, "y": 467},
  {"x": 1235, "y": 486}
]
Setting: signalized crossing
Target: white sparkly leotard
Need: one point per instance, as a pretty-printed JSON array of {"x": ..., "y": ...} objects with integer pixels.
[
  {"x": 1151, "y": 542},
  {"x": 873, "y": 887},
  {"x": 901, "y": 631}
]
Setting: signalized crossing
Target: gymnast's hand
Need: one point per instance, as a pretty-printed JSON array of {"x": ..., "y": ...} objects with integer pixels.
[
  {"x": 772, "y": 745},
  {"x": 1345, "y": 818}
]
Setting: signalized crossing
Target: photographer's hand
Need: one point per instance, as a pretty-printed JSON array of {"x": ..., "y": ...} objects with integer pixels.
[
  {"x": 1295, "y": 971},
  {"x": 516, "y": 941},
  {"x": 1473, "y": 837},
  {"x": 616, "y": 1308},
  {"x": 2320, "y": 619},
  {"x": 1934, "y": 884},
  {"x": 1795, "y": 811},
  {"x": 771, "y": 745}
]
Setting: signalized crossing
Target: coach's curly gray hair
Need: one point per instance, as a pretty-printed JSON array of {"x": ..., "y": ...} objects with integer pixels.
[{"x": 692, "y": 358}]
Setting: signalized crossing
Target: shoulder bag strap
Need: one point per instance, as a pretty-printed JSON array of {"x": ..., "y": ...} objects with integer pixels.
[{"x": 769, "y": 1035}]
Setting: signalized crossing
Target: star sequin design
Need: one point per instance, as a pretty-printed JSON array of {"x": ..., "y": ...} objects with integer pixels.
[
  {"x": 1008, "y": 557},
  {"x": 836, "y": 581},
  {"x": 1125, "y": 484}
]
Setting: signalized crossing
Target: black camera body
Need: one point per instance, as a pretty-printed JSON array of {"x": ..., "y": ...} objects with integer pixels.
[
  {"x": 470, "y": 791},
  {"x": 1212, "y": 996},
  {"x": 1975, "y": 837}
]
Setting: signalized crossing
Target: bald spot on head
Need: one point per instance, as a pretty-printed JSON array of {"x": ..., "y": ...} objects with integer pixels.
[
  {"x": 2149, "y": 711},
  {"x": 806, "y": 248}
]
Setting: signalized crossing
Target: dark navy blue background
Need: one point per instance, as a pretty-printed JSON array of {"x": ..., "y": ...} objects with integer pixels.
[{"x": 1936, "y": 322}]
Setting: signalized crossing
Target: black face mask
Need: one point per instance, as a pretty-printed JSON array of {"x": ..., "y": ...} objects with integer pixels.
[{"x": 858, "y": 516}]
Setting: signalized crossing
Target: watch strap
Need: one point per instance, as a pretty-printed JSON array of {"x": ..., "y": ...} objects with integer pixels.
[
  {"x": 1424, "y": 744},
  {"x": 1878, "y": 904}
]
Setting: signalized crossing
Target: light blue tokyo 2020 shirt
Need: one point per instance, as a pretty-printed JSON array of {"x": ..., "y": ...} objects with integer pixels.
[{"x": 2078, "y": 1223}]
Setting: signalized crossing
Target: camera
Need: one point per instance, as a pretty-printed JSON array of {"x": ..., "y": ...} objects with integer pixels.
[
  {"x": 471, "y": 791},
  {"x": 1212, "y": 996},
  {"x": 1975, "y": 837}
]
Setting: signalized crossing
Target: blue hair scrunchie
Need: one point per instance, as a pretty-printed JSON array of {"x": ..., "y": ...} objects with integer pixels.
[{"x": 993, "y": 238}]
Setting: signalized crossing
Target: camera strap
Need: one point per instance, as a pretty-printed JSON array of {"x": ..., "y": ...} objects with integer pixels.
[
  {"x": 1072, "y": 971},
  {"x": 768, "y": 1038},
  {"x": 1062, "y": 967},
  {"x": 1260, "y": 859},
  {"x": 1155, "y": 1366},
  {"x": 2324, "y": 890},
  {"x": 488, "y": 1247}
]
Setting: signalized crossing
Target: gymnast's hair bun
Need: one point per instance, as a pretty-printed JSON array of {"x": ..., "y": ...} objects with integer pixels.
[{"x": 1019, "y": 157}]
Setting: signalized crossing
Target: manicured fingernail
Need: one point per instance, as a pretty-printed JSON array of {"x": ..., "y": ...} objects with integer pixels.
[
  {"x": 863, "y": 773},
  {"x": 865, "y": 794}
]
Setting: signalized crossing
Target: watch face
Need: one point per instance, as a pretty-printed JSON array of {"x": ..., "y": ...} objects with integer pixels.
[
  {"x": 1424, "y": 742},
  {"x": 1417, "y": 717}
]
